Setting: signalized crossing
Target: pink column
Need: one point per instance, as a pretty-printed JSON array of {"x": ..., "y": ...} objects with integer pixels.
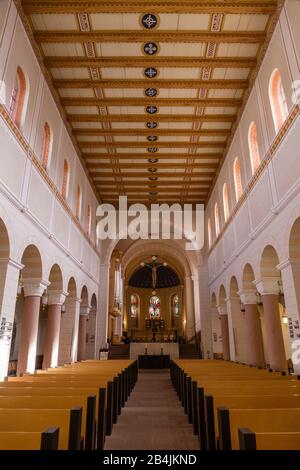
[
  {"x": 275, "y": 344},
  {"x": 253, "y": 335},
  {"x": 81, "y": 355},
  {"x": 29, "y": 331},
  {"x": 55, "y": 302},
  {"x": 225, "y": 337}
]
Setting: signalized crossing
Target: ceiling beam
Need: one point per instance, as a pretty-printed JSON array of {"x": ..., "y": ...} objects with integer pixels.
[
  {"x": 146, "y": 132},
  {"x": 159, "y": 190},
  {"x": 141, "y": 166},
  {"x": 140, "y": 6},
  {"x": 204, "y": 183},
  {"x": 164, "y": 156},
  {"x": 142, "y": 83},
  {"x": 146, "y": 175},
  {"x": 157, "y": 61},
  {"x": 77, "y": 36},
  {"x": 92, "y": 144},
  {"x": 146, "y": 101},
  {"x": 149, "y": 117}
]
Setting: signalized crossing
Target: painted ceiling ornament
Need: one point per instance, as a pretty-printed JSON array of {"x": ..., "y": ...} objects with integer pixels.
[
  {"x": 152, "y": 125},
  {"x": 149, "y": 21},
  {"x": 151, "y": 92},
  {"x": 152, "y": 149},
  {"x": 150, "y": 72},
  {"x": 152, "y": 138},
  {"x": 150, "y": 48},
  {"x": 151, "y": 109}
]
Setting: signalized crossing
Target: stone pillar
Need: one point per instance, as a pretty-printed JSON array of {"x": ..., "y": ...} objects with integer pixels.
[
  {"x": 55, "y": 301},
  {"x": 30, "y": 323},
  {"x": 268, "y": 288},
  {"x": 73, "y": 308},
  {"x": 84, "y": 314},
  {"x": 102, "y": 314},
  {"x": 91, "y": 330},
  {"x": 9, "y": 272},
  {"x": 225, "y": 332},
  {"x": 204, "y": 309},
  {"x": 189, "y": 307},
  {"x": 255, "y": 350},
  {"x": 290, "y": 275},
  {"x": 232, "y": 303}
]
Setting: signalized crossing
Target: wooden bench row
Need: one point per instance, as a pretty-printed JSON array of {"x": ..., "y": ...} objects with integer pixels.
[
  {"x": 235, "y": 407},
  {"x": 71, "y": 407}
]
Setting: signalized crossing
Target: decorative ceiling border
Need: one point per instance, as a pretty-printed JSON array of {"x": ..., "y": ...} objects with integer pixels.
[
  {"x": 38, "y": 54},
  {"x": 270, "y": 29}
]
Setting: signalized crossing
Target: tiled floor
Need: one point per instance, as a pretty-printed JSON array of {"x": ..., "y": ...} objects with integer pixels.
[{"x": 153, "y": 418}]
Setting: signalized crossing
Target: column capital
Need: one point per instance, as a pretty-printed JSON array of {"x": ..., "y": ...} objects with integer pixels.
[
  {"x": 12, "y": 263},
  {"x": 221, "y": 310},
  {"x": 73, "y": 299},
  {"x": 34, "y": 288},
  {"x": 57, "y": 298},
  {"x": 232, "y": 297},
  {"x": 248, "y": 296},
  {"x": 267, "y": 285},
  {"x": 85, "y": 310}
]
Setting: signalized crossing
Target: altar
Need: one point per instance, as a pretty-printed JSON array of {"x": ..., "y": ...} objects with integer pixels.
[{"x": 140, "y": 349}]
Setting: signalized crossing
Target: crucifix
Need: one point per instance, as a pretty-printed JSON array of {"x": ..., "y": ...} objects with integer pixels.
[{"x": 153, "y": 266}]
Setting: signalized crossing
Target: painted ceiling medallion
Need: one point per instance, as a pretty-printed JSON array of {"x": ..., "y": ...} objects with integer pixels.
[
  {"x": 151, "y": 92},
  {"x": 151, "y": 109},
  {"x": 153, "y": 178},
  {"x": 152, "y": 149},
  {"x": 152, "y": 125},
  {"x": 152, "y": 138},
  {"x": 152, "y": 160},
  {"x": 150, "y": 48},
  {"x": 150, "y": 72},
  {"x": 152, "y": 170},
  {"x": 149, "y": 21}
]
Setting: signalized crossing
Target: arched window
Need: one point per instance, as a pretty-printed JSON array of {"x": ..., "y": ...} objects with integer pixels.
[
  {"x": 134, "y": 306},
  {"x": 65, "y": 181},
  {"x": 225, "y": 202},
  {"x": 209, "y": 233},
  {"x": 154, "y": 308},
  {"x": 47, "y": 144},
  {"x": 134, "y": 310},
  {"x": 175, "y": 312},
  {"x": 217, "y": 220},
  {"x": 277, "y": 99},
  {"x": 78, "y": 202},
  {"x": 237, "y": 179},
  {"x": 89, "y": 219},
  {"x": 253, "y": 147},
  {"x": 17, "y": 105}
]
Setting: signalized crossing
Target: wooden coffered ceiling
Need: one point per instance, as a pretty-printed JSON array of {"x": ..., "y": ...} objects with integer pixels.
[{"x": 152, "y": 91}]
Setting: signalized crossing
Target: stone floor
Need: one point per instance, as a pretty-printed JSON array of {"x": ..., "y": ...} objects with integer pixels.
[{"x": 153, "y": 418}]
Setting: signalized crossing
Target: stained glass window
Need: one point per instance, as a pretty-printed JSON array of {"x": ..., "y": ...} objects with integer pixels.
[{"x": 154, "y": 309}]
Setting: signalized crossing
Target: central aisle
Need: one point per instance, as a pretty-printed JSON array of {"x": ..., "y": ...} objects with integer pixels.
[{"x": 153, "y": 418}]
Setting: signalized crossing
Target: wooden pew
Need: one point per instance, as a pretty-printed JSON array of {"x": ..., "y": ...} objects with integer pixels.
[
  {"x": 69, "y": 422},
  {"x": 88, "y": 405},
  {"x": 249, "y": 440},
  {"x": 47, "y": 440},
  {"x": 213, "y": 403},
  {"x": 61, "y": 393},
  {"x": 281, "y": 420}
]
